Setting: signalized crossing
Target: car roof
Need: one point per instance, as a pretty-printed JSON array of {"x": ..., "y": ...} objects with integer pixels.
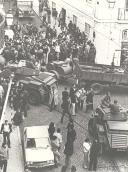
[{"x": 37, "y": 131}]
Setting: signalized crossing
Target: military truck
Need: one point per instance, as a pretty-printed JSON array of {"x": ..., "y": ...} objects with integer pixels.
[
  {"x": 112, "y": 129},
  {"x": 96, "y": 76},
  {"x": 39, "y": 87}
]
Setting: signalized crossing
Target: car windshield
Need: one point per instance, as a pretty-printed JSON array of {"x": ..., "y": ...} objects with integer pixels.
[{"x": 38, "y": 143}]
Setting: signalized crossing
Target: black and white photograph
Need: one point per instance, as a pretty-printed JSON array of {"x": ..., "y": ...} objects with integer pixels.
[{"x": 63, "y": 85}]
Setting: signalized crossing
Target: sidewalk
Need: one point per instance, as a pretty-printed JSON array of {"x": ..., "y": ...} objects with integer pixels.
[{"x": 15, "y": 162}]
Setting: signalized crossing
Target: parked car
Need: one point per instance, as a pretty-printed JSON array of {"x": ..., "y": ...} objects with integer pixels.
[{"x": 37, "y": 147}]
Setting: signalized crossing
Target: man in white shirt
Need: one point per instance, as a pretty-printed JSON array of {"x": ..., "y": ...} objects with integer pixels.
[
  {"x": 86, "y": 150},
  {"x": 6, "y": 129}
]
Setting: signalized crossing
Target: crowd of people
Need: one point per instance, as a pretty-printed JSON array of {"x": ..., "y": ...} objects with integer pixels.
[
  {"x": 43, "y": 45},
  {"x": 74, "y": 100},
  {"x": 56, "y": 143}
]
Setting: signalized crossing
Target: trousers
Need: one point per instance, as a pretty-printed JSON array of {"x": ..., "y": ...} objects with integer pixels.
[{"x": 6, "y": 138}]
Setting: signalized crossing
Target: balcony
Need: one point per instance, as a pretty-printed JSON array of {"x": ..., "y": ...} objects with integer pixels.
[{"x": 123, "y": 14}]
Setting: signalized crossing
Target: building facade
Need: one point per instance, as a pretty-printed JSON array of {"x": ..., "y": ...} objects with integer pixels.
[
  {"x": 2, "y": 26},
  {"x": 106, "y": 19}
]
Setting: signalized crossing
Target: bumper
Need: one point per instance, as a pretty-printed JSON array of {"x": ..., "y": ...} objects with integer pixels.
[{"x": 40, "y": 165}]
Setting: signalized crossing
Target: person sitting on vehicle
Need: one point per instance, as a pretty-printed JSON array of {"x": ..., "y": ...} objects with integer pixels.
[
  {"x": 115, "y": 108},
  {"x": 105, "y": 102}
]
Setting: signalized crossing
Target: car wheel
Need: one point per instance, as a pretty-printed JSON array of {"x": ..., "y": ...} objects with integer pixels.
[{"x": 34, "y": 98}]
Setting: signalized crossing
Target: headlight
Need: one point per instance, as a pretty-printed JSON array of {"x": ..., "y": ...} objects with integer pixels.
[
  {"x": 29, "y": 163},
  {"x": 50, "y": 161}
]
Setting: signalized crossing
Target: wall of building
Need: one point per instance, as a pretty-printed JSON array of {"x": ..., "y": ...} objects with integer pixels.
[
  {"x": 109, "y": 31},
  {"x": 74, "y": 7},
  {"x": 102, "y": 19},
  {"x": 2, "y": 26}
]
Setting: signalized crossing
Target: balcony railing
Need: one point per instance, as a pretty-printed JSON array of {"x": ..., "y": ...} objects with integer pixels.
[{"x": 123, "y": 14}]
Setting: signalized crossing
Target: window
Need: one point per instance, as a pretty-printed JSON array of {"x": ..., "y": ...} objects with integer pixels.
[
  {"x": 126, "y": 4},
  {"x": 31, "y": 143},
  {"x": 53, "y": 5},
  {"x": 125, "y": 34},
  {"x": 74, "y": 20},
  {"x": 87, "y": 28}
]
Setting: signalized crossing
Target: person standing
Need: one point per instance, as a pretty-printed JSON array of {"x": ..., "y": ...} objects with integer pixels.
[
  {"x": 65, "y": 104},
  {"x": 4, "y": 155},
  {"x": 17, "y": 118},
  {"x": 53, "y": 98},
  {"x": 89, "y": 100},
  {"x": 86, "y": 151},
  {"x": 68, "y": 151},
  {"x": 94, "y": 151},
  {"x": 81, "y": 95},
  {"x": 73, "y": 99},
  {"x": 71, "y": 134},
  {"x": 6, "y": 129}
]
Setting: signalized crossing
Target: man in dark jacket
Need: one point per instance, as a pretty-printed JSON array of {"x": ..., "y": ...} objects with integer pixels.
[
  {"x": 68, "y": 151},
  {"x": 89, "y": 100},
  {"x": 71, "y": 134},
  {"x": 65, "y": 104},
  {"x": 94, "y": 155}
]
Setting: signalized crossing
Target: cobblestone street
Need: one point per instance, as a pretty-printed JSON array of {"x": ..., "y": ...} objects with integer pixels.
[{"x": 114, "y": 162}]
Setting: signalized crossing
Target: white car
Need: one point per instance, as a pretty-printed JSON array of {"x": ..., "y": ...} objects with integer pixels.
[{"x": 37, "y": 147}]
